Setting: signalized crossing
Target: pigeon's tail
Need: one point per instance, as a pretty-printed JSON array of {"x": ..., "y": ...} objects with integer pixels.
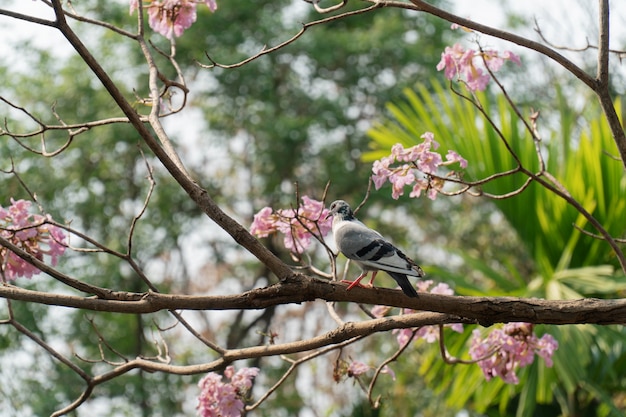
[{"x": 404, "y": 283}]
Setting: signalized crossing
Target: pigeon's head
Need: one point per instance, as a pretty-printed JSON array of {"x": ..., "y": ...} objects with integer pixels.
[{"x": 340, "y": 209}]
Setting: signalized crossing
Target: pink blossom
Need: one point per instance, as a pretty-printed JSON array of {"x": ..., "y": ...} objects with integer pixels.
[
  {"x": 432, "y": 193},
  {"x": 420, "y": 157},
  {"x": 510, "y": 56},
  {"x": 511, "y": 347},
  {"x": 242, "y": 379},
  {"x": 429, "y": 139},
  {"x": 387, "y": 370},
  {"x": 419, "y": 186},
  {"x": 381, "y": 172},
  {"x": 31, "y": 233},
  {"x": 428, "y": 162},
  {"x": 493, "y": 60},
  {"x": 171, "y": 17},
  {"x": 476, "y": 79},
  {"x": 134, "y": 5},
  {"x": 264, "y": 223},
  {"x": 380, "y": 311},
  {"x": 229, "y": 403},
  {"x": 400, "y": 178},
  {"x": 224, "y": 399},
  {"x": 545, "y": 348},
  {"x": 450, "y": 58},
  {"x": 298, "y": 226},
  {"x": 465, "y": 65},
  {"x": 453, "y": 156},
  {"x": 403, "y": 336},
  {"x": 211, "y": 4}
]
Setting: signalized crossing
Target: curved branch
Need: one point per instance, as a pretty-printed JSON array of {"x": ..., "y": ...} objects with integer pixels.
[
  {"x": 347, "y": 332},
  {"x": 296, "y": 363},
  {"x": 199, "y": 195},
  {"x": 305, "y": 26}
]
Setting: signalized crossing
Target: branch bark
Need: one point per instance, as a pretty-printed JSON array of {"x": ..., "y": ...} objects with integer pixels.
[
  {"x": 298, "y": 289},
  {"x": 199, "y": 195}
]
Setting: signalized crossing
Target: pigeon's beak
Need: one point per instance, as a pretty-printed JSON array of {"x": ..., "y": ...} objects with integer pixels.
[{"x": 328, "y": 215}]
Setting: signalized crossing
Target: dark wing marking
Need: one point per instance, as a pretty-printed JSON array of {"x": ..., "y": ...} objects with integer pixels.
[{"x": 375, "y": 250}]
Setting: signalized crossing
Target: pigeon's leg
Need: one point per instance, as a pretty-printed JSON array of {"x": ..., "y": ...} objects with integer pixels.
[
  {"x": 371, "y": 283},
  {"x": 355, "y": 282}
]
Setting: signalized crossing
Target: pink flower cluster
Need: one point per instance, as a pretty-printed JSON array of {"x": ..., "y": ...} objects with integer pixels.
[
  {"x": 465, "y": 64},
  {"x": 429, "y": 333},
  {"x": 31, "y": 233},
  {"x": 171, "y": 17},
  {"x": 298, "y": 226},
  {"x": 225, "y": 399},
  {"x": 420, "y": 157},
  {"x": 509, "y": 348}
]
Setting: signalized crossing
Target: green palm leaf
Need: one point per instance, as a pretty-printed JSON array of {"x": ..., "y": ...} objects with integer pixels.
[{"x": 567, "y": 263}]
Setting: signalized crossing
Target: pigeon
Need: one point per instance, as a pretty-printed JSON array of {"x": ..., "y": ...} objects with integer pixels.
[{"x": 370, "y": 250}]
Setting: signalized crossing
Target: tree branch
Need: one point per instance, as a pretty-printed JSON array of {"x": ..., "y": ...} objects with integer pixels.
[
  {"x": 199, "y": 195},
  {"x": 300, "y": 288}
]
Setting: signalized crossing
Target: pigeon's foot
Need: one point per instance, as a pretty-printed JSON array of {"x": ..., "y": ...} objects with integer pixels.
[{"x": 355, "y": 283}]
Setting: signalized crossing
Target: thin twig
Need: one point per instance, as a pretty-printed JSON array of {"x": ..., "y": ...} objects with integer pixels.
[
  {"x": 451, "y": 360},
  {"x": 392, "y": 358},
  {"x": 298, "y": 362},
  {"x": 265, "y": 50}
]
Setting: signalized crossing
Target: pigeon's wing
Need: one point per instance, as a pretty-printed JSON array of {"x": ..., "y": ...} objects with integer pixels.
[{"x": 372, "y": 251}]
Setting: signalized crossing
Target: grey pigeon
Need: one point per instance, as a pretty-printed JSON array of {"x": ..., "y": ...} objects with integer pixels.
[{"x": 370, "y": 250}]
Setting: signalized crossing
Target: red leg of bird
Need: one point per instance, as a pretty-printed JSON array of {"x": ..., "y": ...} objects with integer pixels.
[
  {"x": 355, "y": 282},
  {"x": 371, "y": 283}
]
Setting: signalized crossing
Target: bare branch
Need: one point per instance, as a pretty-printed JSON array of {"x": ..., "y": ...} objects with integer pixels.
[
  {"x": 602, "y": 75},
  {"x": 296, "y": 363},
  {"x": 327, "y": 9},
  {"x": 305, "y": 26},
  {"x": 620, "y": 53},
  {"x": 392, "y": 358},
  {"x": 28, "y": 18},
  {"x": 199, "y": 195},
  {"x": 75, "y": 16}
]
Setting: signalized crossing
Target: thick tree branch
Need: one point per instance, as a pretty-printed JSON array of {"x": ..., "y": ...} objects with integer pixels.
[
  {"x": 602, "y": 81},
  {"x": 300, "y": 288},
  {"x": 195, "y": 191}
]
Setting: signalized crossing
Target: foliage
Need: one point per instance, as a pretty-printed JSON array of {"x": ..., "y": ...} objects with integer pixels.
[{"x": 565, "y": 262}]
